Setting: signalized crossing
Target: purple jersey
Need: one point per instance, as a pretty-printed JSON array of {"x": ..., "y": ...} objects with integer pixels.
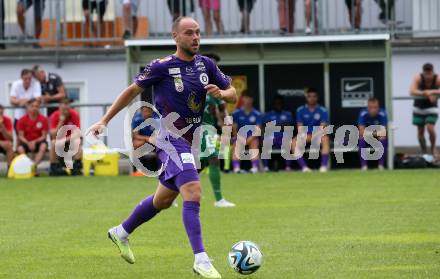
[{"x": 179, "y": 87}]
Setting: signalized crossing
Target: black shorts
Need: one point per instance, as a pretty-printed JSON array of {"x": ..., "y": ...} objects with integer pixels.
[
  {"x": 248, "y": 4},
  {"x": 174, "y": 6},
  {"x": 38, "y": 6},
  {"x": 92, "y": 5},
  {"x": 37, "y": 146}
]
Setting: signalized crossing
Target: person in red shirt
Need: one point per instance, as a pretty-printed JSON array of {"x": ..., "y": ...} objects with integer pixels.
[
  {"x": 6, "y": 136},
  {"x": 32, "y": 132},
  {"x": 65, "y": 115}
]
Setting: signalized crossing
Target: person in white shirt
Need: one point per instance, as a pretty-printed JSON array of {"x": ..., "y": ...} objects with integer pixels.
[{"x": 23, "y": 90}]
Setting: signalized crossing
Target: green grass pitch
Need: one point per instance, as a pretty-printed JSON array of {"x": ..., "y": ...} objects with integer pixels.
[{"x": 335, "y": 225}]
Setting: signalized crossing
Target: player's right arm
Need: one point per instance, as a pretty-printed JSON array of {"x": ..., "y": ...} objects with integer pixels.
[
  {"x": 151, "y": 74},
  {"x": 123, "y": 100}
]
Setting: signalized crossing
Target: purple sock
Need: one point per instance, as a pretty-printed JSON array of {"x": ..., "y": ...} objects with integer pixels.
[
  {"x": 324, "y": 160},
  {"x": 288, "y": 164},
  {"x": 191, "y": 221},
  {"x": 255, "y": 164},
  {"x": 362, "y": 144},
  {"x": 235, "y": 164},
  {"x": 301, "y": 162},
  {"x": 384, "y": 143},
  {"x": 143, "y": 212}
]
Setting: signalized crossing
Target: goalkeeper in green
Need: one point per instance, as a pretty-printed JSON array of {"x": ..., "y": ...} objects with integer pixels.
[{"x": 213, "y": 115}]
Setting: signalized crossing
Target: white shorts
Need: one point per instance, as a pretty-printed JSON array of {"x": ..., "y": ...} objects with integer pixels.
[{"x": 134, "y": 5}]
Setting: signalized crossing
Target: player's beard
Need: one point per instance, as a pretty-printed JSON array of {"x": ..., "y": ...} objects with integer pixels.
[{"x": 189, "y": 50}]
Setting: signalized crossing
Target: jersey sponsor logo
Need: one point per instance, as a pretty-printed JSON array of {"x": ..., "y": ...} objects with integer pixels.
[
  {"x": 201, "y": 69},
  {"x": 252, "y": 119},
  {"x": 178, "y": 83},
  {"x": 189, "y": 70},
  {"x": 317, "y": 116},
  {"x": 194, "y": 104},
  {"x": 174, "y": 71},
  {"x": 145, "y": 74},
  {"x": 193, "y": 120},
  {"x": 204, "y": 79},
  {"x": 200, "y": 63},
  {"x": 187, "y": 158}
]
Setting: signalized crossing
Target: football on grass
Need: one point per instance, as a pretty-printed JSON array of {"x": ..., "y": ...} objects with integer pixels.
[{"x": 245, "y": 257}]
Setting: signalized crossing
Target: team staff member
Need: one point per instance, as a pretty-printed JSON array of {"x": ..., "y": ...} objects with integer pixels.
[
  {"x": 22, "y": 91},
  {"x": 65, "y": 115},
  {"x": 52, "y": 87},
  {"x": 425, "y": 111},
  {"x": 32, "y": 132},
  {"x": 6, "y": 136}
]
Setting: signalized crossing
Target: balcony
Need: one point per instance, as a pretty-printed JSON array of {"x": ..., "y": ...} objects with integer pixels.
[{"x": 64, "y": 25}]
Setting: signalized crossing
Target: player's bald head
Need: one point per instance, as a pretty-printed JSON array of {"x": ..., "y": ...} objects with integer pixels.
[{"x": 184, "y": 22}]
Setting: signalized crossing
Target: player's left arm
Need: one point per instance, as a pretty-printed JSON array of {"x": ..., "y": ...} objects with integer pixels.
[{"x": 229, "y": 95}]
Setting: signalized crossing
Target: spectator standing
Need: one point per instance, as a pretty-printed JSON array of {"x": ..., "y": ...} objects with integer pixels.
[
  {"x": 52, "y": 87},
  {"x": 22, "y": 7},
  {"x": 354, "y": 13},
  {"x": 308, "y": 117},
  {"x": 286, "y": 15},
  {"x": 6, "y": 136},
  {"x": 65, "y": 115},
  {"x": 22, "y": 91},
  {"x": 311, "y": 14},
  {"x": 180, "y": 8},
  {"x": 282, "y": 118},
  {"x": 386, "y": 10},
  {"x": 425, "y": 86},
  {"x": 89, "y": 7},
  {"x": 32, "y": 131},
  {"x": 208, "y": 7},
  {"x": 129, "y": 11},
  {"x": 246, "y": 7},
  {"x": 246, "y": 115},
  {"x": 372, "y": 115}
]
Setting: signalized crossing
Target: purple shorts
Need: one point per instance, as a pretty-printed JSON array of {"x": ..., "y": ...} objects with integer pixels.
[{"x": 180, "y": 164}]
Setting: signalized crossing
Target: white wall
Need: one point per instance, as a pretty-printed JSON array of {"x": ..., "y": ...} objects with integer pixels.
[
  {"x": 103, "y": 82},
  {"x": 405, "y": 67}
]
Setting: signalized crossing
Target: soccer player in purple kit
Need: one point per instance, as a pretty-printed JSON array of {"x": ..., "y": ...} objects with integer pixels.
[{"x": 184, "y": 92}]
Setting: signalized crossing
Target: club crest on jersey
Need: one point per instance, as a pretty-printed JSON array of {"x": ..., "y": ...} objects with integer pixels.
[
  {"x": 178, "y": 83},
  {"x": 204, "y": 79},
  {"x": 194, "y": 103},
  {"x": 317, "y": 116},
  {"x": 39, "y": 125}
]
